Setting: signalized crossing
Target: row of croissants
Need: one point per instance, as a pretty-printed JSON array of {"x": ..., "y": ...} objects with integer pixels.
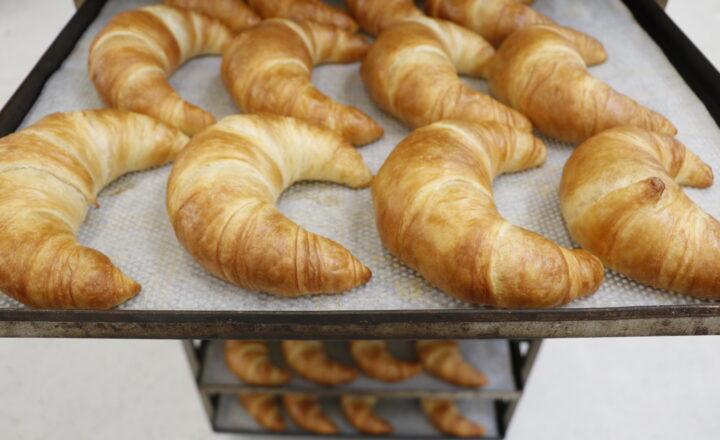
[
  {"x": 250, "y": 362},
  {"x": 306, "y": 412},
  {"x": 433, "y": 200}
]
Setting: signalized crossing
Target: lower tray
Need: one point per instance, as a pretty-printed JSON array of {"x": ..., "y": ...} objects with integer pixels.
[
  {"x": 491, "y": 356},
  {"x": 404, "y": 414}
]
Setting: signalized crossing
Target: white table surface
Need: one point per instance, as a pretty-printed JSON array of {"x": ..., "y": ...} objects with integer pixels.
[{"x": 625, "y": 388}]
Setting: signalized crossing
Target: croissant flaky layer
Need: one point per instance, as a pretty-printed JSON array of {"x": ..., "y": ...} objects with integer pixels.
[
  {"x": 541, "y": 71},
  {"x": 234, "y": 14},
  {"x": 435, "y": 212},
  {"x": 411, "y": 71},
  {"x": 446, "y": 417},
  {"x": 375, "y": 16},
  {"x": 376, "y": 361},
  {"x": 264, "y": 409},
  {"x": 622, "y": 201},
  {"x": 268, "y": 70},
  {"x": 131, "y": 58},
  {"x": 443, "y": 359},
  {"x": 358, "y": 411},
  {"x": 50, "y": 172},
  {"x": 306, "y": 412},
  {"x": 305, "y": 10},
  {"x": 221, "y": 198},
  {"x": 311, "y": 361},
  {"x": 494, "y": 20}
]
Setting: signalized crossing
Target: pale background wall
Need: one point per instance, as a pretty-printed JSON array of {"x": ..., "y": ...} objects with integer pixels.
[{"x": 659, "y": 388}]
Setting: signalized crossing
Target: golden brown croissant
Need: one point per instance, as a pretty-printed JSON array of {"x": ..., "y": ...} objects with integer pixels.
[
  {"x": 131, "y": 58},
  {"x": 444, "y": 360},
  {"x": 540, "y": 70},
  {"x": 446, "y": 417},
  {"x": 358, "y": 411},
  {"x": 622, "y": 202},
  {"x": 250, "y": 361},
  {"x": 264, "y": 409},
  {"x": 435, "y": 212},
  {"x": 309, "y": 359},
  {"x": 375, "y": 16},
  {"x": 412, "y": 70},
  {"x": 305, "y": 10},
  {"x": 221, "y": 200},
  {"x": 495, "y": 20},
  {"x": 267, "y": 70},
  {"x": 306, "y": 412},
  {"x": 234, "y": 14},
  {"x": 50, "y": 172},
  {"x": 376, "y": 361}
]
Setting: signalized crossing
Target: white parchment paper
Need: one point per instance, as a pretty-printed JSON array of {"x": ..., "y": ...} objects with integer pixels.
[{"x": 133, "y": 229}]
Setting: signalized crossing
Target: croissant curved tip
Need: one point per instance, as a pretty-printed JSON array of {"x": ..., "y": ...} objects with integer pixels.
[
  {"x": 102, "y": 288},
  {"x": 591, "y": 274}
]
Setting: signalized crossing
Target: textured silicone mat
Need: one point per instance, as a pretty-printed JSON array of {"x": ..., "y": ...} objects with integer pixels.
[
  {"x": 491, "y": 356},
  {"x": 404, "y": 414},
  {"x": 132, "y": 227}
]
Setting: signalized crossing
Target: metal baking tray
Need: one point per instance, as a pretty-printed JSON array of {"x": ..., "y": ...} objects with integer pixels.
[
  {"x": 611, "y": 319},
  {"x": 491, "y": 356}
]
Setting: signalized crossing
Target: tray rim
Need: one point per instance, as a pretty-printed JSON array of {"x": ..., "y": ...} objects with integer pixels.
[{"x": 691, "y": 319}]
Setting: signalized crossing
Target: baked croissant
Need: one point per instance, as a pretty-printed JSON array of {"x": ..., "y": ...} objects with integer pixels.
[
  {"x": 375, "y": 16},
  {"x": 264, "y": 409},
  {"x": 131, "y": 58},
  {"x": 444, "y": 360},
  {"x": 50, "y": 172},
  {"x": 376, "y": 361},
  {"x": 306, "y": 412},
  {"x": 250, "y": 361},
  {"x": 221, "y": 200},
  {"x": 435, "y": 212},
  {"x": 305, "y": 10},
  {"x": 621, "y": 201},
  {"x": 540, "y": 70},
  {"x": 358, "y": 411},
  {"x": 412, "y": 70},
  {"x": 234, "y": 14},
  {"x": 308, "y": 358},
  {"x": 267, "y": 70},
  {"x": 446, "y": 417},
  {"x": 495, "y": 20}
]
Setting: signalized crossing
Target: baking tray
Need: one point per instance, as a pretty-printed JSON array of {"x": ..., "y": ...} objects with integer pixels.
[
  {"x": 672, "y": 315},
  {"x": 404, "y": 414},
  {"x": 491, "y": 356}
]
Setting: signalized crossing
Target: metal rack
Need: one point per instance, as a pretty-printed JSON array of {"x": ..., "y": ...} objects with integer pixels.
[{"x": 513, "y": 358}]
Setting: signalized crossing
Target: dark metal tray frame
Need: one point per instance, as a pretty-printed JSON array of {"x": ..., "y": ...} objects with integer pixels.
[
  {"x": 523, "y": 353},
  {"x": 697, "y": 319}
]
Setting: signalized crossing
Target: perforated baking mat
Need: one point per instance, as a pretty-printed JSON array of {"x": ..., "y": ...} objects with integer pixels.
[
  {"x": 405, "y": 415},
  {"x": 133, "y": 229},
  {"x": 491, "y": 356}
]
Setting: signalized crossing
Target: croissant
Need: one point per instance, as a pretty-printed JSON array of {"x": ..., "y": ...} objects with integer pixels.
[
  {"x": 358, "y": 411},
  {"x": 131, "y": 58},
  {"x": 267, "y": 70},
  {"x": 221, "y": 200},
  {"x": 540, "y": 70},
  {"x": 495, "y": 20},
  {"x": 375, "y": 16},
  {"x": 621, "y": 201},
  {"x": 50, "y": 173},
  {"x": 444, "y": 360},
  {"x": 264, "y": 409},
  {"x": 234, "y": 14},
  {"x": 435, "y": 212},
  {"x": 305, "y": 10},
  {"x": 411, "y": 73},
  {"x": 446, "y": 417},
  {"x": 376, "y": 361},
  {"x": 250, "y": 361},
  {"x": 306, "y": 412},
  {"x": 309, "y": 359}
]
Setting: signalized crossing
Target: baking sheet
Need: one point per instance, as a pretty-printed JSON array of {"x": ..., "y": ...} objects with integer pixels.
[
  {"x": 404, "y": 414},
  {"x": 132, "y": 227},
  {"x": 491, "y": 356}
]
